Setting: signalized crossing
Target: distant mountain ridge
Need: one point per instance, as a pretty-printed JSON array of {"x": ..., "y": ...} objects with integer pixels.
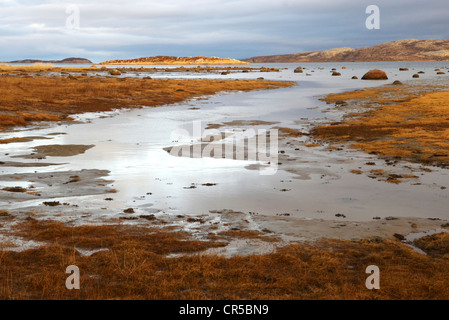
[
  {"x": 401, "y": 50},
  {"x": 66, "y": 60},
  {"x": 168, "y": 60}
]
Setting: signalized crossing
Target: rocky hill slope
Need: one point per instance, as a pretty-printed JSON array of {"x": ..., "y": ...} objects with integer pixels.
[
  {"x": 401, "y": 50},
  {"x": 66, "y": 60}
]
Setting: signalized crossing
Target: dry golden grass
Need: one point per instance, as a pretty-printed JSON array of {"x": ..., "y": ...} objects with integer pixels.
[
  {"x": 436, "y": 245},
  {"x": 24, "y": 99},
  {"x": 289, "y": 132},
  {"x": 10, "y": 140},
  {"x": 416, "y": 129},
  {"x": 109, "y": 236},
  {"x": 136, "y": 266},
  {"x": 378, "y": 171},
  {"x": 169, "y": 60},
  {"x": 383, "y": 95},
  {"x": 44, "y": 68},
  {"x": 312, "y": 145}
]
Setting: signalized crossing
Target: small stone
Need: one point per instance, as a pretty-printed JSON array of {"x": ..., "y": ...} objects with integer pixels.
[{"x": 399, "y": 236}]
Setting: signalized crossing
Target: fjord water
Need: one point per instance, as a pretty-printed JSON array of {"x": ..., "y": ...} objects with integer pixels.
[{"x": 130, "y": 144}]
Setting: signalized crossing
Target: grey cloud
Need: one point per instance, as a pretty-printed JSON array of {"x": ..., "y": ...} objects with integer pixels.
[{"x": 118, "y": 29}]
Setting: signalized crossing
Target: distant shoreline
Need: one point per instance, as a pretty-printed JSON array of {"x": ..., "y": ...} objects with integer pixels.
[
  {"x": 167, "y": 64},
  {"x": 168, "y": 60},
  {"x": 66, "y": 61}
]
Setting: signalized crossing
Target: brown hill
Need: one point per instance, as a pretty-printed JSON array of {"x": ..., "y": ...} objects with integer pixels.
[
  {"x": 401, "y": 50},
  {"x": 66, "y": 60},
  {"x": 166, "y": 60}
]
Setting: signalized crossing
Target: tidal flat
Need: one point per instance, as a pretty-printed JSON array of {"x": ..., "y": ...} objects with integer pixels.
[{"x": 86, "y": 179}]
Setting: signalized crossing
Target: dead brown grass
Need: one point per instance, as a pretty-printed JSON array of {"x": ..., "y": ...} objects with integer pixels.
[
  {"x": 383, "y": 95},
  {"x": 136, "y": 266},
  {"x": 168, "y": 60},
  {"x": 11, "y": 140},
  {"x": 109, "y": 236},
  {"x": 436, "y": 245},
  {"x": 416, "y": 129},
  {"x": 290, "y": 132},
  {"x": 15, "y": 189},
  {"x": 24, "y": 99}
]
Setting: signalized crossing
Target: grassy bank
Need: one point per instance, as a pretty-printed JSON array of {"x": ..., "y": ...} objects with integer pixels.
[
  {"x": 25, "y": 99},
  {"x": 400, "y": 122},
  {"x": 134, "y": 264}
]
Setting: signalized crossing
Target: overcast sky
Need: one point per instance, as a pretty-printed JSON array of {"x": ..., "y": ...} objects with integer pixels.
[{"x": 120, "y": 29}]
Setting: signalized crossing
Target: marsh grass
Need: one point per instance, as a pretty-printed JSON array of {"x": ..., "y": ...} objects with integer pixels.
[
  {"x": 436, "y": 245},
  {"x": 415, "y": 129},
  {"x": 26, "y": 99},
  {"x": 137, "y": 265}
]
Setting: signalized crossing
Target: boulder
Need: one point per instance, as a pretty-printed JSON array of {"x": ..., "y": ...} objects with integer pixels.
[
  {"x": 114, "y": 72},
  {"x": 375, "y": 74},
  {"x": 355, "y": 77},
  {"x": 397, "y": 83},
  {"x": 335, "y": 73},
  {"x": 416, "y": 75},
  {"x": 440, "y": 72},
  {"x": 403, "y": 69},
  {"x": 298, "y": 70}
]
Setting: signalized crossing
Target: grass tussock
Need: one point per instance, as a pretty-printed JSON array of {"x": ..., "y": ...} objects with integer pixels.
[
  {"x": 436, "y": 245},
  {"x": 12, "y": 140},
  {"x": 136, "y": 266},
  {"x": 290, "y": 132},
  {"x": 384, "y": 95},
  {"x": 24, "y": 99},
  {"x": 416, "y": 129}
]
